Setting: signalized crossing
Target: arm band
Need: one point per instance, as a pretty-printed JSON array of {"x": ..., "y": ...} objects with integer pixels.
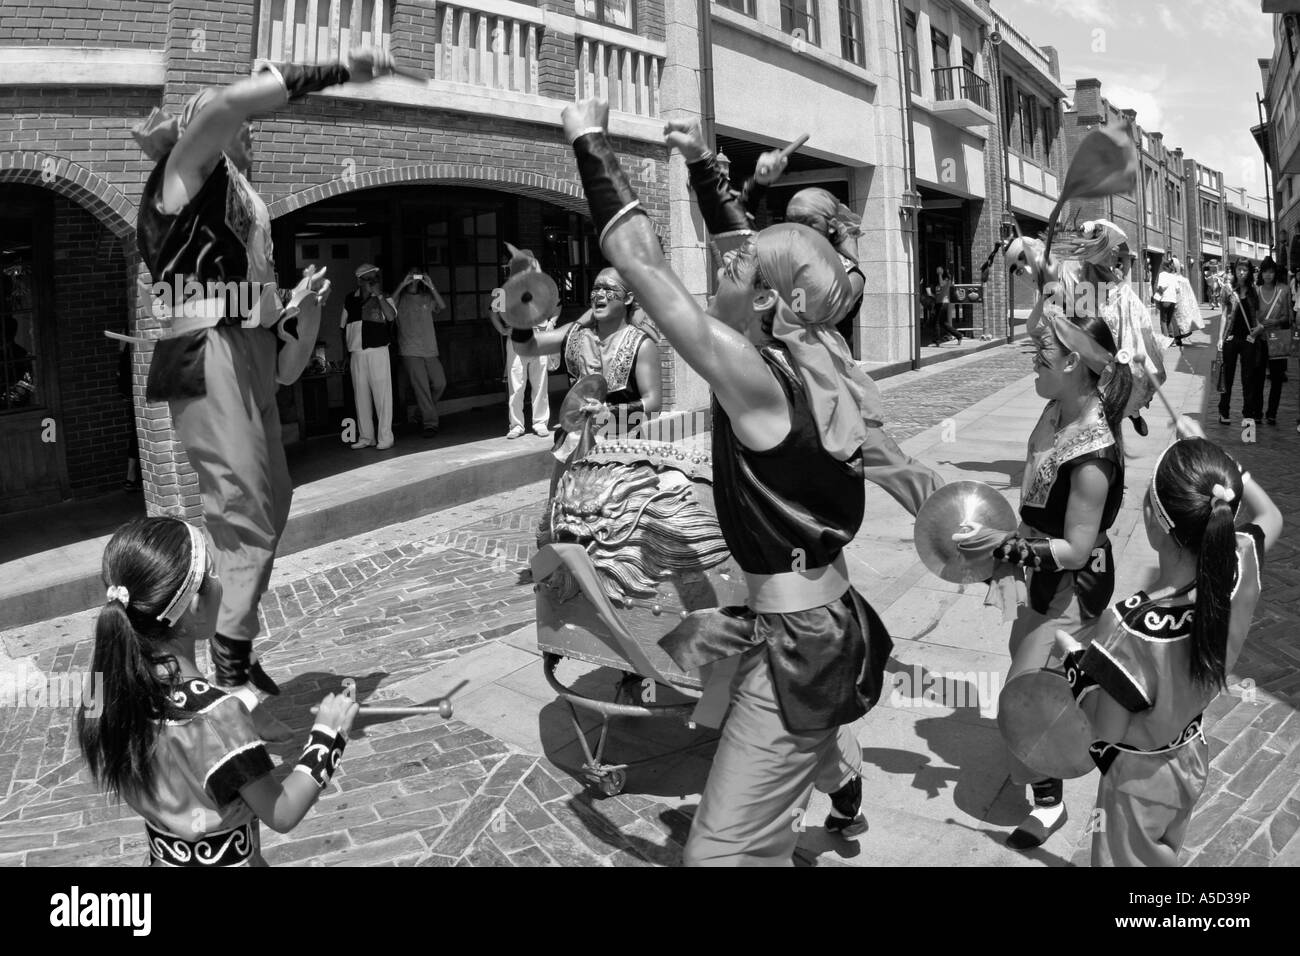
[
  {"x": 720, "y": 205},
  {"x": 609, "y": 195},
  {"x": 521, "y": 335},
  {"x": 1079, "y": 679},
  {"x": 628, "y": 408},
  {"x": 1036, "y": 554},
  {"x": 320, "y": 758},
  {"x": 299, "y": 79}
]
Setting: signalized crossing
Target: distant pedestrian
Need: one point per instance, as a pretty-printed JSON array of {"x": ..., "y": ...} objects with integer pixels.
[
  {"x": 1238, "y": 343},
  {"x": 1276, "y": 323},
  {"x": 943, "y": 306},
  {"x": 1165, "y": 296},
  {"x": 416, "y": 300}
]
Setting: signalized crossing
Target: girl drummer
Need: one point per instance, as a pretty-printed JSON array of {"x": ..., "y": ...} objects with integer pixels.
[
  {"x": 1073, "y": 483},
  {"x": 180, "y": 752},
  {"x": 1159, "y": 657}
]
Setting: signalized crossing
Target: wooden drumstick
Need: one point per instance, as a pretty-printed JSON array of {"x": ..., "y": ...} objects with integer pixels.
[{"x": 790, "y": 150}]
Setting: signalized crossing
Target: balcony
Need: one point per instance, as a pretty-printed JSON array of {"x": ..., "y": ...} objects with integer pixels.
[
  {"x": 483, "y": 57},
  {"x": 961, "y": 96}
]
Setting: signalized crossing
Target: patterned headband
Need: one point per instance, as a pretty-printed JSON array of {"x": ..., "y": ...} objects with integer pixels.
[
  {"x": 193, "y": 578},
  {"x": 1162, "y": 516}
]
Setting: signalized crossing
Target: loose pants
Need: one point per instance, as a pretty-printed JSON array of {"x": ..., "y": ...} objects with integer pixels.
[
  {"x": 372, "y": 387},
  {"x": 752, "y": 808},
  {"x": 428, "y": 381},
  {"x": 232, "y": 438},
  {"x": 533, "y": 371}
]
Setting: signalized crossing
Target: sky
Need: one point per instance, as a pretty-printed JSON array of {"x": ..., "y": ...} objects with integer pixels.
[{"x": 1187, "y": 66}]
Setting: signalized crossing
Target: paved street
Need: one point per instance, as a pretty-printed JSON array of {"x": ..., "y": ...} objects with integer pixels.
[{"x": 414, "y": 609}]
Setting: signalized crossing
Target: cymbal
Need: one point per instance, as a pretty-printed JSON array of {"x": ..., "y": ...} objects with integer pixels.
[
  {"x": 588, "y": 388},
  {"x": 1044, "y": 726},
  {"x": 530, "y": 299},
  {"x": 946, "y": 512}
]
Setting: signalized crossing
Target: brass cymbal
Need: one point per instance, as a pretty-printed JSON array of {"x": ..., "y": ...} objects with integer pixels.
[
  {"x": 950, "y": 509},
  {"x": 530, "y": 299},
  {"x": 588, "y": 388}
]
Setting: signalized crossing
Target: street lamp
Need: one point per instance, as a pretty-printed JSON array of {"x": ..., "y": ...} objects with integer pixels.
[{"x": 909, "y": 203}]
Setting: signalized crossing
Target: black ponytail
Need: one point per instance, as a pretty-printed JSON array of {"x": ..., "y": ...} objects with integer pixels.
[
  {"x": 1186, "y": 482},
  {"x": 149, "y": 557}
]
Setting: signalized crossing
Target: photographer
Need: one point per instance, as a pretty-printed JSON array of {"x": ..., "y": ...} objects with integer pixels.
[
  {"x": 367, "y": 318},
  {"x": 417, "y": 300}
]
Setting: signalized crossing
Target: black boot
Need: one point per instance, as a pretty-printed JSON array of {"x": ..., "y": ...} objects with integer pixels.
[
  {"x": 1034, "y": 831},
  {"x": 1139, "y": 425},
  {"x": 846, "y": 820},
  {"x": 234, "y": 668}
]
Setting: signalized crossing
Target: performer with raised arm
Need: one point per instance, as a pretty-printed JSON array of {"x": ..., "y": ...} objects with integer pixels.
[
  {"x": 806, "y": 657},
  {"x": 1148, "y": 669},
  {"x": 180, "y": 752},
  {"x": 883, "y": 463},
  {"x": 217, "y": 366}
]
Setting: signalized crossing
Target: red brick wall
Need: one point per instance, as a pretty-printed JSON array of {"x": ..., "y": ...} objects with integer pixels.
[
  {"x": 134, "y": 23},
  {"x": 89, "y": 297}
]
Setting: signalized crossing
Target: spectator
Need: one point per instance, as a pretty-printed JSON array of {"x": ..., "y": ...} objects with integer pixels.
[
  {"x": 1238, "y": 343},
  {"x": 416, "y": 301},
  {"x": 1165, "y": 296},
  {"x": 367, "y": 316},
  {"x": 1275, "y": 331},
  {"x": 943, "y": 307}
]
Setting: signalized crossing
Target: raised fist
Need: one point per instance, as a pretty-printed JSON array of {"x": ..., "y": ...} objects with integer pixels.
[{"x": 585, "y": 115}]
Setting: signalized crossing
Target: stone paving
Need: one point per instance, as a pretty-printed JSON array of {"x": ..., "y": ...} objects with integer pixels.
[{"x": 446, "y": 595}]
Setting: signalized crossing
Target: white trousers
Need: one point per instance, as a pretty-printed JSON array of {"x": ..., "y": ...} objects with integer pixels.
[
  {"x": 533, "y": 371},
  {"x": 372, "y": 387}
]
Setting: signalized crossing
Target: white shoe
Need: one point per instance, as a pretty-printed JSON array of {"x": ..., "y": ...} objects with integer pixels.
[
  {"x": 362, "y": 444},
  {"x": 541, "y": 433},
  {"x": 516, "y": 432},
  {"x": 384, "y": 446}
]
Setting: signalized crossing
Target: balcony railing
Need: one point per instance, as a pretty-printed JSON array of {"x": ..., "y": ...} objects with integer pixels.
[
  {"x": 487, "y": 50},
  {"x": 954, "y": 82},
  {"x": 628, "y": 78},
  {"x": 320, "y": 31}
]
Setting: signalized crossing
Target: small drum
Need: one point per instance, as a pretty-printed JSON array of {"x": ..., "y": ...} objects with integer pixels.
[{"x": 1044, "y": 726}]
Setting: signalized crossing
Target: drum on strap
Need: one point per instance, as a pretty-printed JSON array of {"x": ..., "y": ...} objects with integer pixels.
[{"x": 1044, "y": 726}]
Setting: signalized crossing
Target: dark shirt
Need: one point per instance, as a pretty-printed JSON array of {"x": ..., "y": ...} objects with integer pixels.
[
  {"x": 793, "y": 496},
  {"x": 374, "y": 334}
]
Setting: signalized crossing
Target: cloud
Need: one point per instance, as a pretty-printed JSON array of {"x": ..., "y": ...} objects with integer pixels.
[
  {"x": 1099, "y": 12},
  {"x": 1228, "y": 18},
  {"x": 1170, "y": 22}
]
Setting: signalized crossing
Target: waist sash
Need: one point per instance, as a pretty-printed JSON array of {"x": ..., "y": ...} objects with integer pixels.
[
  {"x": 233, "y": 847},
  {"x": 1104, "y": 753},
  {"x": 798, "y": 590}
]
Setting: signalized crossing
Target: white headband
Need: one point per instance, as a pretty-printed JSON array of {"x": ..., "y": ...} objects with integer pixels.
[
  {"x": 193, "y": 578},
  {"x": 1162, "y": 516}
]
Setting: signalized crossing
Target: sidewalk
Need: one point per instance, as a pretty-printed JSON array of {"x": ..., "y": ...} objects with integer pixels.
[{"x": 413, "y": 609}]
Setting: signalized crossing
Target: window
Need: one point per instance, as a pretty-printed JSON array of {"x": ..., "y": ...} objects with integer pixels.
[
  {"x": 852, "y": 46},
  {"x": 910, "y": 52},
  {"x": 968, "y": 59},
  {"x": 1028, "y": 123},
  {"x": 740, "y": 6},
  {"x": 18, "y": 345},
  {"x": 1049, "y": 135},
  {"x": 1008, "y": 109},
  {"x": 614, "y": 13},
  {"x": 939, "y": 49},
  {"x": 799, "y": 18}
]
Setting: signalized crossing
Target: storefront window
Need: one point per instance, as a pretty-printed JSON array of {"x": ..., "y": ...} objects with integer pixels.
[
  {"x": 570, "y": 255},
  {"x": 19, "y": 371}
]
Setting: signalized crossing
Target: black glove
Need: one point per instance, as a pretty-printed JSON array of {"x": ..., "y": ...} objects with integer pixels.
[
  {"x": 609, "y": 194},
  {"x": 300, "y": 79},
  {"x": 721, "y": 206},
  {"x": 1032, "y": 553}
]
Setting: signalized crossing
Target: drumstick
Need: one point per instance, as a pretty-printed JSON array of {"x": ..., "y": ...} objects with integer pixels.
[{"x": 789, "y": 150}]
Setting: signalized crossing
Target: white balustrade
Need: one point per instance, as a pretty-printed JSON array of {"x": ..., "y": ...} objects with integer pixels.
[
  {"x": 487, "y": 49},
  {"x": 628, "y": 78},
  {"x": 320, "y": 31}
]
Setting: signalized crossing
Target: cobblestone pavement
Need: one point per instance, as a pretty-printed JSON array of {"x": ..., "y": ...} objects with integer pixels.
[{"x": 422, "y": 791}]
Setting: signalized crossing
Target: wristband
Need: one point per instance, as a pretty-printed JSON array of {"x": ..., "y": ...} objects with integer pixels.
[
  {"x": 628, "y": 408},
  {"x": 1036, "y": 554},
  {"x": 521, "y": 335},
  {"x": 298, "y": 79},
  {"x": 320, "y": 758},
  {"x": 609, "y": 194}
]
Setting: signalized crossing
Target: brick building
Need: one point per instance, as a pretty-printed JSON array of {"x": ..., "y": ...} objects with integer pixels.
[
  {"x": 1206, "y": 221},
  {"x": 392, "y": 172}
]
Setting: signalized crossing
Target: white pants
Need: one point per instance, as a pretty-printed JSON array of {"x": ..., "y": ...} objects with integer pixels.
[
  {"x": 533, "y": 370},
  {"x": 372, "y": 387}
]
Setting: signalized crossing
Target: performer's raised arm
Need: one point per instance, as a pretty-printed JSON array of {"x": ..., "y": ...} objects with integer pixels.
[{"x": 719, "y": 352}]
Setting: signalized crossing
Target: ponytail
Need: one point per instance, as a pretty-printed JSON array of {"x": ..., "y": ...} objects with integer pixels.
[
  {"x": 1115, "y": 388},
  {"x": 1216, "y": 573},
  {"x": 145, "y": 562}
]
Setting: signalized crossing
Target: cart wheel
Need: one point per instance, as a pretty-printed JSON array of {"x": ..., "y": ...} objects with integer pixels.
[{"x": 612, "y": 783}]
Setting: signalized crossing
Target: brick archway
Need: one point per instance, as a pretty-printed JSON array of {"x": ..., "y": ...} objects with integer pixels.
[
  {"x": 567, "y": 195},
  {"x": 59, "y": 175}
]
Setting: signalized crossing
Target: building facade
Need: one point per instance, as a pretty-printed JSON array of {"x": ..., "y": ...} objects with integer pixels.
[
  {"x": 1247, "y": 229},
  {"x": 395, "y": 173},
  {"x": 1206, "y": 222}
]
